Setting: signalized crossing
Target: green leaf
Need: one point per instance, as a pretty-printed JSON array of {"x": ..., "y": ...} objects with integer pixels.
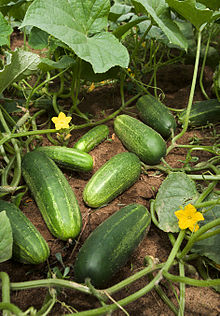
[
  {"x": 159, "y": 12},
  {"x": 209, "y": 247},
  {"x": 82, "y": 26},
  {"x": 211, "y": 4},
  {"x": 22, "y": 64},
  {"x": 176, "y": 191},
  {"x": 48, "y": 64},
  {"x": 5, "y": 31},
  {"x": 190, "y": 10},
  {"x": 38, "y": 39},
  {"x": 6, "y": 239}
]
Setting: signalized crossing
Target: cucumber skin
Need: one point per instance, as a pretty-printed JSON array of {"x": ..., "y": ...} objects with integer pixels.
[
  {"x": 70, "y": 158},
  {"x": 29, "y": 246},
  {"x": 113, "y": 178},
  {"x": 139, "y": 138},
  {"x": 92, "y": 138},
  {"x": 203, "y": 112},
  {"x": 53, "y": 195},
  {"x": 156, "y": 115},
  {"x": 110, "y": 245}
]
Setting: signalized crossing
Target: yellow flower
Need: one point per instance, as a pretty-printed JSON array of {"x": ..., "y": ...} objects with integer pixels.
[
  {"x": 62, "y": 121},
  {"x": 92, "y": 87},
  {"x": 189, "y": 217}
]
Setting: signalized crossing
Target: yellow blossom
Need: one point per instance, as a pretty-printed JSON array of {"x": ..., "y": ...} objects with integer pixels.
[
  {"x": 62, "y": 121},
  {"x": 92, "y": 87},
  {"x": 188, "y": 218}
]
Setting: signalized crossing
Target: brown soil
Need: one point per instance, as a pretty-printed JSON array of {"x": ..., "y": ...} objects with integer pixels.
[{"x": 175, "y": 82}]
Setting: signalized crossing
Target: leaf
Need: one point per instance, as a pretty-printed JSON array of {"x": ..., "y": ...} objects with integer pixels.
[
  {"x": 82, "y": 26},
  {"x": 211, "y": 4},
  {"x": 22, "y": 64},
  {"x": 176, "y": 191},
  {"x": 38, "y": 39},
  {"x": 159, "y": 11},
  {"x": 6, "y": 239},
  {"x": 5, "y": 31},
  {"x": 191, "y": 12},
  {"x": 48, "y": 64},
  {"x": 209, "y": 247}
]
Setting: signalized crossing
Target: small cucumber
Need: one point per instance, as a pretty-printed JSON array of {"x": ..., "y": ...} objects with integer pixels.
[
  {"x": 156, "y": 115},
  {"x": 113, "y": 178},
  {"x": 92, "y": 138},
  {"x": 29, "y": 246},
  {"x": 202, "y": 113},
  {"x": 139, "y": 138},
  {"x": 111, "y": 244},
  {"x": 70, "y": 158},
  {"x": 53, "y": 195}
]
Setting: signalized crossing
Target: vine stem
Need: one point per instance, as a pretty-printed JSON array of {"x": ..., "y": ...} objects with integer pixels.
[{"x": 192, "y": 91}]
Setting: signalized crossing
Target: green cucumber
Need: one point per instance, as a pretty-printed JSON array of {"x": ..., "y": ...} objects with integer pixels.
[
  {"x": 29, "y": 246},
  {"x": 70, "y": 158},
  {"x": 53, "y": 195},
  {"x": 92, "y": 138},
  {"x": 113, "y": 178},
  {"x": 111, "y": 244},
  {"x": 139, "y": 138},
  {"x": 156, "y": 115},
  {"x": 202, "y": 113}
]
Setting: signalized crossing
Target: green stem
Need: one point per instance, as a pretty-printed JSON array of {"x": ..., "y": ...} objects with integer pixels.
[
  {"x": 197, "y": 234},
  {"x": 190, "y": 281},
  {"x": 182, "y": 290},
  {"x": 192, "y": 91},
  {"x": 5, "y": 290},
  {"x": 207, "y": 203},
  {"x": 12, "y": 308},
  {"x": 205, "y": 193}
]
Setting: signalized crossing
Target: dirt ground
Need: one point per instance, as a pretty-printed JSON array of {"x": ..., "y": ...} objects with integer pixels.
[{"x": 175, "y": 81}]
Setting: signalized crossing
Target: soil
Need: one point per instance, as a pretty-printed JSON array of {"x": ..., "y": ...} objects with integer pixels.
[{"x": 175, "y": 82}]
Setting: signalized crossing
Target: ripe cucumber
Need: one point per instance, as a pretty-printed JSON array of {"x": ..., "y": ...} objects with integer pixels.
[
  {"x": 202, "y": 113},
  {"x": 69, "y": 158},
  {"x": 139, "y": 138},
  {"x": 111, "y": 244},
  {"x": 156, "y": 115},
  {"x": 113, "y": 178},
  {"x": 92, "y": 138},
  {"x": 29, "y": 246},
  {"x": 53, "y": 195}
]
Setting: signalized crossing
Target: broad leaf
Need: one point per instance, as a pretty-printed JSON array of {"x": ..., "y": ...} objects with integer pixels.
[
  {"x": 38, "y": 39},
  {"x": 211, "y": 4},
  {"x": 6, "y": 239},
  {"x": 82, "y": 26},
  {"x": 210, "y": 247},
  {"x": 176, "y": 191},
  {"x": 5, "y": 31},
  {"x": 22, "y": 64},
  {"x": 159, "y": 12},
  {"x": 48, "y": 64},
  {"x": 191, "y": 11}
]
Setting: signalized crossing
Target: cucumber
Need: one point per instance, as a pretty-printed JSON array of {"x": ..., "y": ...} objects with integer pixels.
[
  {"x": 113, "y": 178},
  {"x": 111, "y": 244},
  {"x": 139, "y": 138},
  {"x": 29, "y": 246},
  {"x": 92, "y": 138},
  {"x": 156, "y": 115},
  {"x": 202, "y": 113},
  {"x": 53, "y": 195},
  {"x": 70, "y": 158}
]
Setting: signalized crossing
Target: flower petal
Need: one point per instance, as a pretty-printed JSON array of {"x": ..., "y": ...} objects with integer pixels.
[
  {"x": 194, "y": 228},
  {"x": 198, "y": 217},
  {"x": 190, "y": 209}
]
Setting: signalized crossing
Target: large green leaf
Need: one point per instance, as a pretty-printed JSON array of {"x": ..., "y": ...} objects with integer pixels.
[
  {"x": 82, "y": 25},
  {"x": 210, "y": 247},
  {"x": 159, "y": 12},
  {"x": 176, "y": 191},
  {"x": 22, "y": 64},
  {"x": 212, "y": 4},
  {"x": 6, "y": 239},
  {"x": 5, "y": 31},
  {"x": 190, "y": 10}
]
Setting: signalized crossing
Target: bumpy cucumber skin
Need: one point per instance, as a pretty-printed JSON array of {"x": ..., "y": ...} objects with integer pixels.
[
  {"x": 70, "y": 158},
  {"x": 141, "y": 139},
  {"x": 202, "y": 113},
  {"x": 29, "y": 246},
  {"x": 156, "y": 115},
  {"x": 53, "y": 195},
  {"x": 113, "y": 178},
  {"x": 111, "y": 244},
  {"x": 92, "y": 138}
]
